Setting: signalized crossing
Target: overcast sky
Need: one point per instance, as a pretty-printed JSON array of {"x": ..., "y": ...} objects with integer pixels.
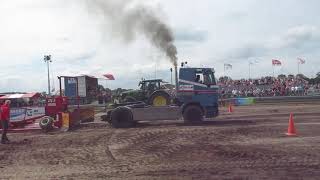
[{"x": 207, "y": 32}]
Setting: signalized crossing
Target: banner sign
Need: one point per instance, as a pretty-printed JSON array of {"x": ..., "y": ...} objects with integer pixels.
[
  {"x": 17, "y": 114},
  {"x": 244, "y": 101},
  {"x": 25, "y": 114}
]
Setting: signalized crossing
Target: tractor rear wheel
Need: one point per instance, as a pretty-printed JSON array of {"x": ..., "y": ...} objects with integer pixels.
[
  {"x": 122, "y": 117},
  {"x": 193, "y": 114},
  {"x": 160, "y": 98}
]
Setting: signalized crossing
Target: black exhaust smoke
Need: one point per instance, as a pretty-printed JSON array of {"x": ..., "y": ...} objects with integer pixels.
[{"x": 130, "y": 19}]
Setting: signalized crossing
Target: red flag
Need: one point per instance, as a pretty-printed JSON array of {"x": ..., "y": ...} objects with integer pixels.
[
  {"x": 109, "y": 76},
  {"x": 301, "y": 61},
  {"x": 276, "y": 62}
]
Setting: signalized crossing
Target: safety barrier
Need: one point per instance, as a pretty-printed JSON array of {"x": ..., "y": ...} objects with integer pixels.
[{"x": 270, "y": 100}]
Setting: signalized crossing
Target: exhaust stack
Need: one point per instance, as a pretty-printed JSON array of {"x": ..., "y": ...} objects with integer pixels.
[{"x": 176, "y": 77}]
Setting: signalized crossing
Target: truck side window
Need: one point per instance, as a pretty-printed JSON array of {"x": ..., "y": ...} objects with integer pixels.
[
  {"x": 199, "y": 78},
  {"x": 206, "y": 79}
]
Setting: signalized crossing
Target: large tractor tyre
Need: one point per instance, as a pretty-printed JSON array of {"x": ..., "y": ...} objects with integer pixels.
[
  {"x": 130, "y": 99},
  {"x": 160, "y": 98},
  {"x": 106, "y": 117},
  {"x": 122, "y": 117},
  {"x": 193, "y": 114},
  {"x": 46, "y": 123}
]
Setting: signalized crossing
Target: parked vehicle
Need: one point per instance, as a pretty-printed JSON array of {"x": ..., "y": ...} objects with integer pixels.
[{"x": 151, "y": 92}]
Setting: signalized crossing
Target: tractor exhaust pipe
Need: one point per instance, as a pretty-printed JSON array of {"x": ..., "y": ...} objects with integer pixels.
[{"x": 176, "y": 77}]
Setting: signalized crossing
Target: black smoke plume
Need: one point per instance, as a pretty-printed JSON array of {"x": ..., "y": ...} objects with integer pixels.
[{"x": 130, "y": 19}]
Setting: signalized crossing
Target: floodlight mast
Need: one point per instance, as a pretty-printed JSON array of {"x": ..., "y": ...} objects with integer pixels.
[{"x": 47, "y": 59}]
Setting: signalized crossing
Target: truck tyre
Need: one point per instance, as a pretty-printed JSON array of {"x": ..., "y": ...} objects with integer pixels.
[
  {"x": 122, "y": 117},
  {"x": 160, "y": 98},
  {"x": 193, "y": 114},
  {"x": 46, "y": 123}
]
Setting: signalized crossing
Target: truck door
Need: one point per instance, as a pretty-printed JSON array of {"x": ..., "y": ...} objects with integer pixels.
[
  {"x": 206, "y": 90},
  {"x": 200, "y": 86}
]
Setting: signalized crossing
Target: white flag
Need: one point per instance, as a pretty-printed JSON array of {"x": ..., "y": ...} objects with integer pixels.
[
  {"x": 301, "y": 61},
  {"x": 227, "y": 66}
]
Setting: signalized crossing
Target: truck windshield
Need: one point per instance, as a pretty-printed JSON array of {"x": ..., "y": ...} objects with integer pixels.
[{"x": 209, "y": 79}]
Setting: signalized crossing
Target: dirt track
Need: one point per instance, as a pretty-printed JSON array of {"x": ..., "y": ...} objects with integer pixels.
[{"x": 248, "y": 144}]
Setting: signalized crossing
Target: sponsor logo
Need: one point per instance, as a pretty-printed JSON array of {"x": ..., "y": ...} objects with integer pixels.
[
  {"x": 72, "y": 81},
  {"x": 186, "y": 87}
]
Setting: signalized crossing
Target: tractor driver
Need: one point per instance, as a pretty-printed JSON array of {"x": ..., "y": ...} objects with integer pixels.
[{"x": 151, "y": 87}]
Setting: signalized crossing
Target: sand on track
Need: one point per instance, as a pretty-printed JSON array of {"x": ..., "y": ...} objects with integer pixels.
[{"x": 247, "y": 144}]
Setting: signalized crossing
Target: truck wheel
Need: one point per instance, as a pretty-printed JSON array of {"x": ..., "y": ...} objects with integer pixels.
[
  {"x": 159, "y": 99},
  {"x": 46, "y": 123},
  {"x": 193, "y": 114},
  {"x": 122, "y": 117}
]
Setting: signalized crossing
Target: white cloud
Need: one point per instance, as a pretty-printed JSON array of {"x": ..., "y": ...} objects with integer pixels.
[{"x": 209, "y": 33}]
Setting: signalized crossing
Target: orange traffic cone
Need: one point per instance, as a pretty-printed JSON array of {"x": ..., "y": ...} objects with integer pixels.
[
  {"x": 230, "y": 109},
  {"x": 291, "y": 128}
]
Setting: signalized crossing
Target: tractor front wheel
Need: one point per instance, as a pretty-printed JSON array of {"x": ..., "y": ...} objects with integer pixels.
[{"x": 46, "y": 123}]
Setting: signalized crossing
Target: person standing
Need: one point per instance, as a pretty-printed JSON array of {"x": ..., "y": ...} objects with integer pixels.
[{"x": 5, "y": 118}]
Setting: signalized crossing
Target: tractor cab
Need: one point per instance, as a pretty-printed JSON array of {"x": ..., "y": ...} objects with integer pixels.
[
  {"x": 151, "y": 92},
  {"x": 148, "y": 86}
]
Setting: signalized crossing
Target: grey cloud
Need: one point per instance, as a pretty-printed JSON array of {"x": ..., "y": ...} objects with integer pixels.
[
  {"x": 248, "y": 52},
  {"x": 303, "y": 38},
  {"x": 186, "y": 35},
  {"x": 236, "y": 16},
  {"x": 79, "y": 58},
  {"x": 298, "y": 40},
  {"x": 244, "y": 53}
]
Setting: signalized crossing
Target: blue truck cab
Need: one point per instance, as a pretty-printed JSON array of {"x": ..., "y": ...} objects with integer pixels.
[{"x": 197, "y": 93}]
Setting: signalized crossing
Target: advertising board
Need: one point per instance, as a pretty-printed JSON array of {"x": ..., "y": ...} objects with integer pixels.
[{"x": 70, "y": 84}]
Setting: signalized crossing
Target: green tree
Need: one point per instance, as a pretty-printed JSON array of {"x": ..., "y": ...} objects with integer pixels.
[
  {"x": 224, "y": 78},
  {"x": 290, "y": 76},
  {"x": 282, "y": 76}
]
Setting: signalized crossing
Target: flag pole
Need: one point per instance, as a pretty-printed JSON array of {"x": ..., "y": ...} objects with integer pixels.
[
  {"x": 273, "y": 69},
  {"x": 249, "y": 70},
  {"x": 298, "y": 67}
]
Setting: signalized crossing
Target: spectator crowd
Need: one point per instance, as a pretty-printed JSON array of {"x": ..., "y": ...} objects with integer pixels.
[{"x": 266, "y": 87}]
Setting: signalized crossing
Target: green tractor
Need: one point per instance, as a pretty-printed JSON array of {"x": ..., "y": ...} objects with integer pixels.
[{"x": 151, "y": 92}]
